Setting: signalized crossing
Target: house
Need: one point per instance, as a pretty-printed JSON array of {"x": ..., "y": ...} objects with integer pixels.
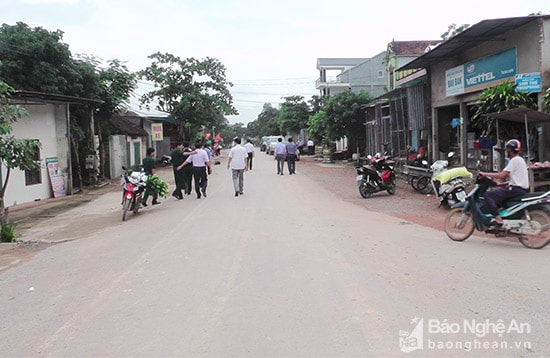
[
  {"x": 48, "y": 122},
  {"x": 368, "y": 76},
  {"x": 329, "y": 82},
  {"x": 400, "y": 53},
  {"x": 138, "y": 129},
  {"x": 459, "y": 69}
]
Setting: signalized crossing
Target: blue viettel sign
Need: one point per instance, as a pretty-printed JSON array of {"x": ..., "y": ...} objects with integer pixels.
[
  {"x": 529, "y": 82},
  {"x": 479, "y": 74}
]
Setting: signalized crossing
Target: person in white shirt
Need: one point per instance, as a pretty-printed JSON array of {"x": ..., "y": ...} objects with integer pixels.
[
  {"x": 238, "y": 162},
  {"x": 310, "y": 147},
  {"x": 250, "y": 150},
  {"x": 516, "y": 171},
  {"x": 201, "y": 162}
]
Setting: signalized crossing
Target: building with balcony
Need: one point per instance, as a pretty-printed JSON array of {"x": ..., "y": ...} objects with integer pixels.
[{"x": 330, "y": 81}]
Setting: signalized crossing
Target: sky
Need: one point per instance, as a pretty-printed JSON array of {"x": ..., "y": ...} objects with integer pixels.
[{"x": 269, "y": 48}]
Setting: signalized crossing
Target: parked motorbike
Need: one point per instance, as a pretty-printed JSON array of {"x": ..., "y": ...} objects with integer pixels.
[
  {"x": 133, "y": 187},
  {"x": 449, "y": 184},
  {"x": 165, "y": 160},
  {"x": 525, "y": 217},
  {"x": 376, "y": 176}
]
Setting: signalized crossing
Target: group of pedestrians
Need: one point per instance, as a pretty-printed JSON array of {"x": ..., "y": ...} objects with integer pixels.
[
  {"x": 188, "y": 164},
  {"x": 286, "y": 153}
]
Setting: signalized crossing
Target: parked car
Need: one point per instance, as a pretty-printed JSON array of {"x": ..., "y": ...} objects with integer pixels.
[{"x": 271, "y": 145}]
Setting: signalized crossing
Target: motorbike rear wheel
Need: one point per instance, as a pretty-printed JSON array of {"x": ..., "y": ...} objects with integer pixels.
[
  {"x": 459, "y": 225},
  {"x": 538, "y": 218},
  {"x": 391, "y": 189},
  {"x": 125, "y": 207},
  {"x": 365, "y": 190},
  {"x": 423, "y": 185}
]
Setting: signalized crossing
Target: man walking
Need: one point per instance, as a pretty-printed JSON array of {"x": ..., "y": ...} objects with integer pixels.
[
  {"x": 310, "y": 147},
  {"x": 201, "y": 163},
  {"x": 291, "y": 156},
  {"x": 149, "y": 168},
  {"x": 177, "y": 160},
  {"x": 187, "y": 170},
  {"x": 280, "y": 155},
  {"x": 238, "y": 161},
  {"x": 250, "y": 152}
]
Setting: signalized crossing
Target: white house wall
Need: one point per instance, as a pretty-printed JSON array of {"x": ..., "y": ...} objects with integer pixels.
[
  {"x": 47, "y": 123},
  {"x": 118, "y": 154}
]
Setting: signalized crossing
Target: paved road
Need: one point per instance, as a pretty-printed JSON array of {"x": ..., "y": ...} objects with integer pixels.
[{"x": 288, "y": 269}]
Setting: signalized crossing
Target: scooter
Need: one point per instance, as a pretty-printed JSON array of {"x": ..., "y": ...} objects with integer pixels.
[
  {"x": 525, "y": 217},
  {"x": 449, "y": 184},
  {"x": 377, "y": 176},
  {"x": 166, "y": 160},
  {"x": 133, "y": 187}
]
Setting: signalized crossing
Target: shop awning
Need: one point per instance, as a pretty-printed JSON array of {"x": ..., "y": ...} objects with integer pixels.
[{"x": 522, "y": 115}]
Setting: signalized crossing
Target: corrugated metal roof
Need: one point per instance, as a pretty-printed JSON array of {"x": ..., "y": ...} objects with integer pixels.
[{"x": 484, "y": 31}]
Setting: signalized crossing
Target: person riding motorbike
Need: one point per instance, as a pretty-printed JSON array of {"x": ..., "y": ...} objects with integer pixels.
[{"x": 516, "y": 171}]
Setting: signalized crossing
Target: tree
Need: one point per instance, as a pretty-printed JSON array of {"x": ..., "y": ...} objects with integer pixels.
[
  {"x": 37, "y": 60},
  {"x": 454, "y": 30},
  {"x": 317, "y": 103},
  {"x": 192, "y": 91},
  {"x": 293, "y": 114},
  {"x": 317, "y": 125},
  {"x": 266, "y": 123},
  {"x": 345, "y": 116},
  {"x": 113, "y": 85},
  {"x": 14, "y": 153},
  {"x": 546, "y": 100},
  {"x": 496, "y": 99}
]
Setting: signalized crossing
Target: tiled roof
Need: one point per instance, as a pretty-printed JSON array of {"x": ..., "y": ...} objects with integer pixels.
[
  {"x": 410, "y": 48},
  {"x": 125, "y": 126}
]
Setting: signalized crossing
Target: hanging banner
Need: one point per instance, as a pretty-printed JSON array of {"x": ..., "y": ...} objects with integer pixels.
[
  {"x": 156, "y": 128},
  {"x": 57, "y": 179}
]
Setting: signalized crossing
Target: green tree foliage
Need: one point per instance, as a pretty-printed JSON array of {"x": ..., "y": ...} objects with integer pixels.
[
  {"x": 15, "y": 153},
  {"x": 266, "y": 123},
  {"x": 192, "y": 91},
  {"x": 293, "y": 114},
  {"x": 345, "y": 115},
  {"x": 546, "y": 100},
  {"x": 454, "y": 30},
  {"x": 317, "y": 125},
  {"x": 37, "y": 60},
  {"x": 496, "y": 99},
  {"x": 317, "y": 103},
  {"x": 235, "y": 130}
]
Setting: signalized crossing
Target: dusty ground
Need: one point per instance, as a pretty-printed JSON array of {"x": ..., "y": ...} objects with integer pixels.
[{"x": 337, "y": 177}]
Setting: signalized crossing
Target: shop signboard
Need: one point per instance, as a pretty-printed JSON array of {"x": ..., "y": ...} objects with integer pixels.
[
  {"x": 529, "y": 82},
  {"x": 482, "y": 73}
]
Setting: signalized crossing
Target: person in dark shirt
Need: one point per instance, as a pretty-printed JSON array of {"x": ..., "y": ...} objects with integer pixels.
[
  {"x": 177, "y": 160},
  {"x": 188, "y": 169},
  {"x": 291, "y": 150},
  {"x": 149, "y": 168}
]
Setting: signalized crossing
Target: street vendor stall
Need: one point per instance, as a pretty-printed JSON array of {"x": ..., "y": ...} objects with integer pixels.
[{"x": 539, "y": 173}]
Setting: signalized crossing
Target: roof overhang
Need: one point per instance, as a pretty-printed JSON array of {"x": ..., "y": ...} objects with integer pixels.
[
  {"x": 30, "y": 97},
  {"x": 522, "y": 115},
  {"x": 484, "y": 31}
]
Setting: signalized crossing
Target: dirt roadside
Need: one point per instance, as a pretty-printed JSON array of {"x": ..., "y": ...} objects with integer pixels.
[{"x": 339, "y": 177}]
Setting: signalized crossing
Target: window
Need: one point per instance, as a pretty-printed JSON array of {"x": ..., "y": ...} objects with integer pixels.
[
  {"x": 34, "y": 176},
  {"x": 380, "y": 74}
]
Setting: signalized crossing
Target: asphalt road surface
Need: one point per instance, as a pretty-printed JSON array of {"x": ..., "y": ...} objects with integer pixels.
[{"x": 287, "y": 269}]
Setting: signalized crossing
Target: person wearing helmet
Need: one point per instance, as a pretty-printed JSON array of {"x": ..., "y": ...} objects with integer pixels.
[{"x": 517, "y": 173}]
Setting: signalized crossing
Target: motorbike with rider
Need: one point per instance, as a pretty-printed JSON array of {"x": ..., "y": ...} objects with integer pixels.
[{"x": 508, "y": 211}]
